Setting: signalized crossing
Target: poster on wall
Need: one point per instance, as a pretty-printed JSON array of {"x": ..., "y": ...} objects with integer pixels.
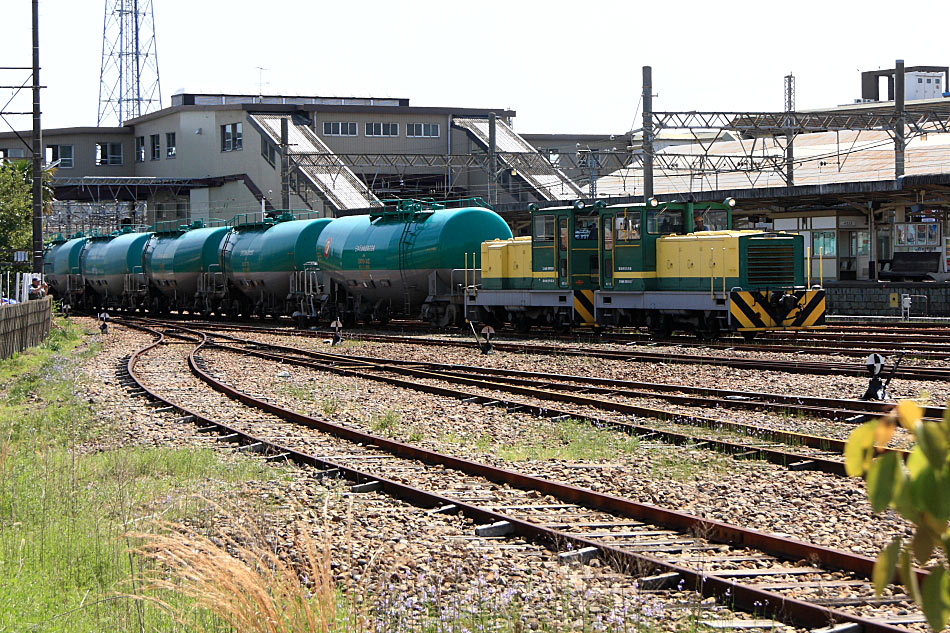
[
  {"x": 911, "y": 235},
  {"x": 901, "y": 239},
  {"x": 932, "y": 237},
  {"x": 946, "y": 254},
  {"x": 921, "y": 234}
]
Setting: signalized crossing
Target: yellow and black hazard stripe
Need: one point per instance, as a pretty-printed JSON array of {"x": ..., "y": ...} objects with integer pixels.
[
  {"x": 810, "y": 311},
  {"x": 747, "y": 310},
  {"x": 584, "y": 307},
  {"x": 754, "y": 310}
]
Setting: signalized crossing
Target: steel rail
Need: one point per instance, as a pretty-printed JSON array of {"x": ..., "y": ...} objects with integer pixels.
[
  {"x": 820, "y": 406},
  {"x": 361, "y": 365},
  {"x": 741, "y": 596},
  {"x": 835, "y": 408},
  {"x": 795, "y": 461},
  {"x": 922, "y": 350}
]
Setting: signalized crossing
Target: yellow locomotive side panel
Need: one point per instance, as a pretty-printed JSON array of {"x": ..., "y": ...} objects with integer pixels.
[
  {"x": 518, "y": 261},
  {"x": 707, "y": 254},
  {"x": 494, "y": 255}
]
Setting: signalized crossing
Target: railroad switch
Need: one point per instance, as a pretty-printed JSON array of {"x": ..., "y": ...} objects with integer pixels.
[
  {"x": 488, "y": 332},
  {"x": 877, "y": 388}
]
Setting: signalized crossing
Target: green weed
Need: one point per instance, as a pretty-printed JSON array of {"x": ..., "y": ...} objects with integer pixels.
[{"x": 569, "y": 440}]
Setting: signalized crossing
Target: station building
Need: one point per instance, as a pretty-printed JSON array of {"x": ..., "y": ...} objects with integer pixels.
[{"x": 212, "y": 156}]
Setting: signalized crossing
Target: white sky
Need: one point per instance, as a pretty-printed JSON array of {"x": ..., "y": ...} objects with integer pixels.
[{"x": 564, "y": 66}]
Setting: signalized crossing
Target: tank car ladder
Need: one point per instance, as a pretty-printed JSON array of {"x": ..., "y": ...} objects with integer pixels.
[{"x": 405, "y": 243}]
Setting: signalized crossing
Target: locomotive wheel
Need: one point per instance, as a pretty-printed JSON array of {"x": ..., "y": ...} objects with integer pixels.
[
  {"x": 660, "y": 326},
  {"x": 749, "y": 336}
]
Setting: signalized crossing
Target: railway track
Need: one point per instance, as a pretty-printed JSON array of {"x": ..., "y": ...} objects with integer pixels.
[
  {"x": 810, "y": 452},
  {"x": 826, "y": 342},
  {"x": 905, "y": 371},
  {"x": 792, "y": 581}
]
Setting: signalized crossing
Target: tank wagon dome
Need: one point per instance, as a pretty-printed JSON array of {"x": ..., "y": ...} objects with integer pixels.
[
  {"x": 107, "y": 259},
  {"x": 178, "y": 254},
  {"x": 391, "y": 254},
  {"x": 261, "y": 256}
]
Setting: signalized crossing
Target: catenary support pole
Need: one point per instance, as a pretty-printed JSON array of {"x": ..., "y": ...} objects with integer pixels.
[
  {"x": 284, "y": 164},
  {"x": 492, "y": 161},
  {"x": 647, "y": 133},
  {"x": 37, "y": 148},
  {"x": 899, "y": 119}
]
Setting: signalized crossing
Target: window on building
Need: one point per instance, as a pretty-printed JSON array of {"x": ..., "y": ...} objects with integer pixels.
[
  {"x": 268, "y": 151},
  {"x": 111, "y": 153},
  {"x": 428, "y": 130},
  {"x": 61, "y": 153},
  {"x": 382, "y": 129},
  {"x": 232, "y": 137},
  {"x": 13, "y": 152},
  {"x": 543, "y": 228},
  {"x": 139, "y": 149},
  {"x": 155, "y": 143},
  {"x": 171, "y": 151},
  {"x": 823, "y": 243},
  {"x": 339, "y": 128},
  {"x": 928, "y": 80},
  {"x": 920, "y": 80},
  {"x": 860, "y": 243}
]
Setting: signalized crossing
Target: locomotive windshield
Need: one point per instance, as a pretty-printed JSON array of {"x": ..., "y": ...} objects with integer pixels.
[
  {"x": 710, "y": 220},
  {"x": 543, "y": 228},
  {"x": 665, "y": 221},
  {"x": 585, "y": 227}
]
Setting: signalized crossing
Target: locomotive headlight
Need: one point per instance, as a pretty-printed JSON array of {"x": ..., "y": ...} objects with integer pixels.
[
  {"x": 652, "y": 202},
  {"x": 729, "y": 202}
]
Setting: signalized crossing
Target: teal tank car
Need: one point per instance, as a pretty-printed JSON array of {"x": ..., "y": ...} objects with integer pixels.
[
  {"x": 177, "y": 259},
  {"x": 61, "y": 267},
  {"x": 112, "y": 268},
  {"x": 267, "y": 264},
  {"x": 409, "y": 260}
]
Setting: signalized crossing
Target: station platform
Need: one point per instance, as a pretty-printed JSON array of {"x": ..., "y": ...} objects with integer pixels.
[{"x": 882, "y": 299}]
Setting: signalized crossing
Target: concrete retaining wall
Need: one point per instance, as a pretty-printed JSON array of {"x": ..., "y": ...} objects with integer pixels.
[{"x": 874, "y": 298}]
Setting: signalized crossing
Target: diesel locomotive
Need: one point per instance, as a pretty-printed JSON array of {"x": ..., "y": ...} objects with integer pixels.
[{"x": 664, "y": 266}]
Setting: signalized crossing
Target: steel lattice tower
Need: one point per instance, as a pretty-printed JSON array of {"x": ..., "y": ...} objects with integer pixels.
[{"x": 128, "y": 79}]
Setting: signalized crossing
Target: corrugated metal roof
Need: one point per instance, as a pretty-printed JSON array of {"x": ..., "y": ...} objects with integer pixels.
[
  {"x": 549, "y": 182},
  {"x": 820, "y": 158},
  {"x": 336, "y": 182}
]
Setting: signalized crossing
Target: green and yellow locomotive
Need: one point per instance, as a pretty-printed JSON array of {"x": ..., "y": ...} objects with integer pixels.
[{"x": 666, "y": 266}]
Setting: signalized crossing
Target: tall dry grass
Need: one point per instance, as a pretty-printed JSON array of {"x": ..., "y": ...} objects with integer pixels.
[{"x": 236, "y": 574}]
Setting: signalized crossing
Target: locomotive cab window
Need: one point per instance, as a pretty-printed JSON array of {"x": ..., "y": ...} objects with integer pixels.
[
  {"x": 585, "y": 227},
  {"x": 710, "y": 220},
  {"x": 543, "y": 228},
  {"x": 628, "y": 227},
  {"x": 665, "y": 221}
]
